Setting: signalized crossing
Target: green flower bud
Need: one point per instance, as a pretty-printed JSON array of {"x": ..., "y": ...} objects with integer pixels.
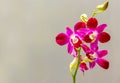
[
  {"x": 103, "y": 6},
  {"x": 73, "y": 65},
  {"x": 84, "y": 18}
]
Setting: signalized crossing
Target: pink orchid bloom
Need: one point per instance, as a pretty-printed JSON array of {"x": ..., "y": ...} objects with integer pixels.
[
  {"x": 70, "y": 38},
  {"x": 93, "y": 32},
  {"x": 96, "y": 56}
]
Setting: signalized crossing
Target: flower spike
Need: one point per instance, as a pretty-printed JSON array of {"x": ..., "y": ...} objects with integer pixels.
[{"x": 86, "y": 36}]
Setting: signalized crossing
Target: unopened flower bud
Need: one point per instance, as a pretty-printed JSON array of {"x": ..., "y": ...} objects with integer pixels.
[
  {"x": 84, "y": 18},
  {"x": 73, "y": 65},
  {"x": 103, "y": 6}
]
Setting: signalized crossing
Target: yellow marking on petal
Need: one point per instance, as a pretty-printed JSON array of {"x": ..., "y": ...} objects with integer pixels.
[
  {"x": 74, "y": 39},
  {"x": 86, "y": 59},
  {"x": 93, "y": 36}
]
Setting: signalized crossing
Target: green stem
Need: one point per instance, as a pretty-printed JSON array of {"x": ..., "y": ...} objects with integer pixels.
[
  {"x": 93, "y": 13},
  {"x": 75, "y": 73},
  {"x": 74, "y": 79}
]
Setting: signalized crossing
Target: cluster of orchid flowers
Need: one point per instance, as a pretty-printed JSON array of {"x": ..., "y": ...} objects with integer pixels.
[{"x": 86, "y": 36}]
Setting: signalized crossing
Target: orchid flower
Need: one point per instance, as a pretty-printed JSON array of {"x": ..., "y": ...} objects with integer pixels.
[
  {"x": 91, "y": 32},
  {"x": 70, "y": 38},
  {"x": 96, "y": 56},
  {"x": 87, "y": 35}
]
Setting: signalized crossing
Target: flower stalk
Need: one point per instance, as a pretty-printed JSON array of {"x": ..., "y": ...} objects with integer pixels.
[
  {"x": 100, "y": 8},
  {"x": 78, "y": 63}
]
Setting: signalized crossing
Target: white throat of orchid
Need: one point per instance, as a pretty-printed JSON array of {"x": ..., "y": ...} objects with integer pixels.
[
  {"x": 74, "y": 39},
  {"x": 93, "y": 36}
]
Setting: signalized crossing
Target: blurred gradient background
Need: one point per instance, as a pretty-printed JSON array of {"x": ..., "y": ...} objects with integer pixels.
[{"x": 28, "y": 52}]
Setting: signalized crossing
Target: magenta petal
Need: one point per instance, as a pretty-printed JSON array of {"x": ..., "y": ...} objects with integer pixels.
[
  {"x": 83, "y": 31},
  {"x": 70, "y": 48},
  {"x": 85, "y": 48},
  {"x": 103, "y": 63},
  {"x": 92, "y": 23},
  {"x": 92, "y": 64},
  {"x": 74, "y": 53},
  {"x": 79, "y": 25},
  {"x": 101, "y": 27},
  {"x": 104, "y": 37},
  {"x": 62, "y": 39},
  {"x": 102, "y": 53},
  {"x": 69, "y": 31},
  {"x": 83, "y": 67},
  {"x": 94, "y": 45}
]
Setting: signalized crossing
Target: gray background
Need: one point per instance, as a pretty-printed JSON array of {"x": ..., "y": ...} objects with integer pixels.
[{"x": 28, "y": 52}]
